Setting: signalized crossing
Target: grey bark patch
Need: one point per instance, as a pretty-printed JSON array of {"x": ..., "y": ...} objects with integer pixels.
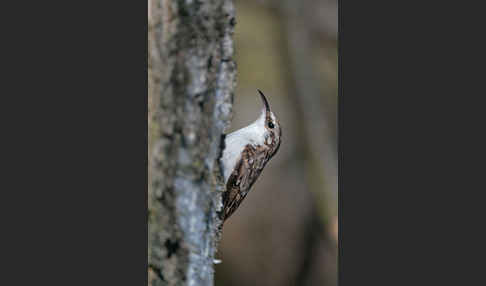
[{"x": 190, "y": 104}]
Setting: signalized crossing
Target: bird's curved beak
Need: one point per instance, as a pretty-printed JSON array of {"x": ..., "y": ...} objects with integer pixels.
[{"x": 264, "y": 99}]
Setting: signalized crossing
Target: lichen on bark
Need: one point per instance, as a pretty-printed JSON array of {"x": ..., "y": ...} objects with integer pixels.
[{"x": 191, "y": 79}]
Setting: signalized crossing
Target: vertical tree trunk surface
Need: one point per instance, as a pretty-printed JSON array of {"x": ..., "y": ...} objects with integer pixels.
[{"x": 191, "y": 78}]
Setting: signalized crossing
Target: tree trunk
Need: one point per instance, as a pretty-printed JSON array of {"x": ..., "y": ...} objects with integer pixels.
[{"x": 191, "y": 78}]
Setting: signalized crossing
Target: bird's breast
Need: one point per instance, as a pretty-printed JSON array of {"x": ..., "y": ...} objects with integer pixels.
[{"x": 231, "y": 154}]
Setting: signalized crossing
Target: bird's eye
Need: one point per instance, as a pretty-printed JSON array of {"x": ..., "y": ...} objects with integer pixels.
[{"x": 270, "y": 125}]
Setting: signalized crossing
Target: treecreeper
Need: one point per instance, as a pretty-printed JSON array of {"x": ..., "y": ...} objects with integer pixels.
[{"x": 246, "y": 153}]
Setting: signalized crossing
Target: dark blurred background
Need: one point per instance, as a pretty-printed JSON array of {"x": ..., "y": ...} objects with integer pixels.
[{"x": 285, "y": 232}]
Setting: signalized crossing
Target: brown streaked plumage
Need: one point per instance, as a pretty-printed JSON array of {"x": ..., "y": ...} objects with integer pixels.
[{"x": 263, "y": 139}]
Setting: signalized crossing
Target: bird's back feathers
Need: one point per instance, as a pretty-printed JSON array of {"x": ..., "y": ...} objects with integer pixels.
[{"x": 244, "y": 175}]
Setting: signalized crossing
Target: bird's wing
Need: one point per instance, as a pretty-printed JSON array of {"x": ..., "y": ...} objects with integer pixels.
[{"x": 244, "y": 175}]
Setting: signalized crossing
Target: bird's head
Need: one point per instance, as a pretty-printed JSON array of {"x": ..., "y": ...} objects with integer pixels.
[{"x": 273, "y": 131}]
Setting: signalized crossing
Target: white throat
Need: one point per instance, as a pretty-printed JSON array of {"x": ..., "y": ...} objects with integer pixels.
[{"x": 236, "y": 141}]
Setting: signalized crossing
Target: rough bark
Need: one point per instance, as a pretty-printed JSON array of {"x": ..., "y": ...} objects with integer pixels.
[{"x": 191, "y": 78}]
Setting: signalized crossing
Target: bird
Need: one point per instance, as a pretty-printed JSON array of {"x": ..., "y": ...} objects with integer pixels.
[{"x": 246, "y": 152}]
